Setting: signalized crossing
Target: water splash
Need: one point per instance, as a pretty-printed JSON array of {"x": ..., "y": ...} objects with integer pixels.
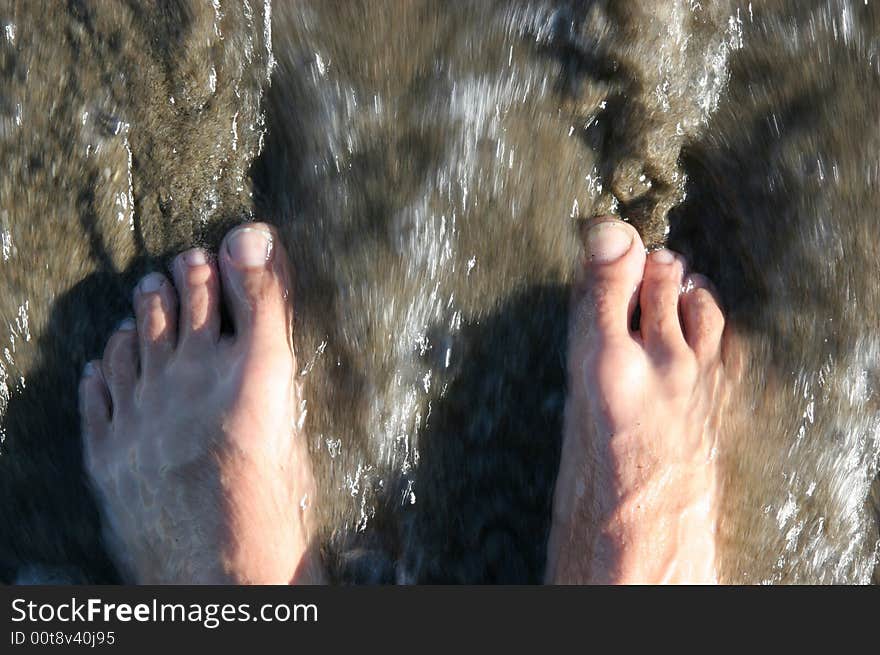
[
  {"x": 126, "y": 202},
  {"x": 267, "y": 38}
]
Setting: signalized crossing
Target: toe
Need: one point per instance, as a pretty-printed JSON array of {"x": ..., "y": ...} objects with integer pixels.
[
  {"x": 155, "y": 307},
  {"x": 120, "y": 366},
  {"x": 615, "y": 260},
  {"x": 197, "y": 281},
  {"x": 94, "y": 407},
  {"x": 255, "y": 280},
  {"x": 660, "y": 324},
  {"x": 702, "y": 317}
]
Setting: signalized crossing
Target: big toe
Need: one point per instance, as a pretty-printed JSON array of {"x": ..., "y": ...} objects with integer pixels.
[
  {"x": 609, "y": 284},
  {"x": 256, "y": 284}
]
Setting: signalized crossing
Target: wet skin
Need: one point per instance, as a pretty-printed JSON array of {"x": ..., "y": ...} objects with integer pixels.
[
  {"x": 636, "y": 497},
  {"x": 193, "y": 444},
  {"x": 192, "y": 440}
]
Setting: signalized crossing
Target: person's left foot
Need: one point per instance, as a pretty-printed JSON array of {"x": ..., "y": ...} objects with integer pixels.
[{"x": 191, "y": 437}]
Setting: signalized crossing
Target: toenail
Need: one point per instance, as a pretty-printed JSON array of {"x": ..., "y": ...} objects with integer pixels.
[
  {"x": 695, "y": 281},
  {"x": 608, "y": 241},
  {"x": 663, "y": 256},
  {"x": 151, "y": 283},
  {"x": 126, "y": 325},
  {"x": 196, "y": 257},
  {"x": 249, "y": 246},
  {"x": 89, "y": 370}
]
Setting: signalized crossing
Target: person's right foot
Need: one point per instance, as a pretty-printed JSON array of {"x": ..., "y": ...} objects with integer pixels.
[
  {"x": 635, "y": 499},
  {"x": 191, "y": 437}
]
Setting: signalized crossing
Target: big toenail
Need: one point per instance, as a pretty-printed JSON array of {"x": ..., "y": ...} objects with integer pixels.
[
  {"x": 89, "y": 370},
  {"x": 126, "y": 325},
  {"x": 663, "y": 256},
  {"x": 250, "y": 246},
  {"x": 195, "y": 257},
  {"x": 151, "y": 283},
  {"x": 608, "y": 241}
]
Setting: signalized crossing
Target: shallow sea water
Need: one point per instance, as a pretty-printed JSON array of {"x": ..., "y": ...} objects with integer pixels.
[{"x": 428, "y": 164}]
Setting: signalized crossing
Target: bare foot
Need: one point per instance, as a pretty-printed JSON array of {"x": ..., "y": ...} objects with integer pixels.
[
  {"x": 635, "y": 499},
  {"x": 190, "y": 436}
]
